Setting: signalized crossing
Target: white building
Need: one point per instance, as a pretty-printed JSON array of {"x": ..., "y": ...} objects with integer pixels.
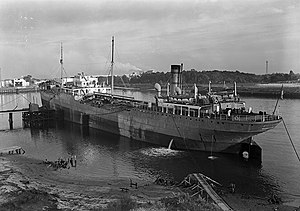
[
  {"x": 82, "y": 80},
  {"x": 20, "y": 82},
  {"x": 8, "y": 83},
  {"x": 68, "y": 81}
]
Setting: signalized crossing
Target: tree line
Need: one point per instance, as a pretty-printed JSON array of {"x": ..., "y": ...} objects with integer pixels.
[{"x": 203, "y": 77}]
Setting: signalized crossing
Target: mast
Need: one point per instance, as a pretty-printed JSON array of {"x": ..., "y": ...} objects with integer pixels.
[
  {"x": 112, "y": 64},
  {"x": 61, "y": 65}
]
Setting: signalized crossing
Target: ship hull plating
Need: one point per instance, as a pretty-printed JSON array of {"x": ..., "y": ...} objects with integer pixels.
[{"x": 159, "y": 128}]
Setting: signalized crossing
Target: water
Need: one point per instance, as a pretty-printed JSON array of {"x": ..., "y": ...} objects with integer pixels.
[{"x": 107, "y": 155}]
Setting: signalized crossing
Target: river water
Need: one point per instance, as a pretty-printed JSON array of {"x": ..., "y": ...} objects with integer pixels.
[{"x": 107, "y": 155}]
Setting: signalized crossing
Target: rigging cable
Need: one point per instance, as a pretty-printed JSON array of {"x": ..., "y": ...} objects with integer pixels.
[
  {"x": 10, "y": 101},
  {"x": 183, "y": 138},
  {"x": 291, "y": 140},
  {"x": 281, "y": 97},
  {"x": 25, "y": 98}
]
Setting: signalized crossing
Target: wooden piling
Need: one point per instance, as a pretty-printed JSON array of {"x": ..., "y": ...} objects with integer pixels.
[
  {"x": 84, "y": 119},
  {"x": 11, "y": 122}
]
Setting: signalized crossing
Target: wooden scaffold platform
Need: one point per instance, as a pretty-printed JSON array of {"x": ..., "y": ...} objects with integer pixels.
[
  {"x": 36, "y": 117},
  {"x": 200, "y": 187}
]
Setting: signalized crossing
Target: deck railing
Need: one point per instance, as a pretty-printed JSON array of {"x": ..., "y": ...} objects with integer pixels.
[
  {"x": 184, "y": 111},
  {"x": 198, "y": 113}
]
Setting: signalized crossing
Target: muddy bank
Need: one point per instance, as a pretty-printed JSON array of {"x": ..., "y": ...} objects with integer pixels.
[
  {"x": 244, "y": 202},
  {"x": 29, "y": 184}
]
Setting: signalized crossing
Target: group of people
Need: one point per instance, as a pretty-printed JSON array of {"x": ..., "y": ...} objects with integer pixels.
[
  {"x": 62, "y": 163},
  {"x": 16, "y": 151}
]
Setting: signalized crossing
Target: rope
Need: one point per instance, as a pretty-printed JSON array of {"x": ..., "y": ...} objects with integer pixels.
[
  {"x": 192, "y": 158},
  {"x": 123, "y": 82},
  {"x": 291, "y": 140},
  {"x": 178, "y": 131},
  {"x": 202, "y": 141}
]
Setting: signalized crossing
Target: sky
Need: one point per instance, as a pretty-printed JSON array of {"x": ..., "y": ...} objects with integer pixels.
[{"x": 149, "y": 35}]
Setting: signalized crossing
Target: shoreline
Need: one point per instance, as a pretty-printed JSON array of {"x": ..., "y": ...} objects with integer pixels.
[
  {"x": 46, "y": 188},
  {"x": 57, "y": 189}
]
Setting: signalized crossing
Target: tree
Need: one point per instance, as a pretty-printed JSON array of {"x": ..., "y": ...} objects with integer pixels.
[{"x": 28, "y": 78}]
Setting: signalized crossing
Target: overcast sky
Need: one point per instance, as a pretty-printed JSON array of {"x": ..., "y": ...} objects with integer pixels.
[{"x": 202, "y": 34}]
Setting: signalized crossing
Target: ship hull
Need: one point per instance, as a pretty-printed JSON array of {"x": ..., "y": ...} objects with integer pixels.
[{"x": 158, "y": 128}]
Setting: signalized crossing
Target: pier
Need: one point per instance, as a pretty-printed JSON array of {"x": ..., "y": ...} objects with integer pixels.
[
  {"x": 10, "y": 115},
  {"x": 17, "y": 90},
  {"x": 33, "y": 117}
]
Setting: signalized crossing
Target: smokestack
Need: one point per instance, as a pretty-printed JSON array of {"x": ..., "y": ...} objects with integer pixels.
[
  {"x": 175, "y": 72},
  {"x": 267, "y": 67},
  {"x": 180, "y": 76}
]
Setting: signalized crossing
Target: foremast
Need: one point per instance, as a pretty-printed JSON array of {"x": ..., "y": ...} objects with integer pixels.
[
  {"x": 112, "y": 64},
  {"x": 61, "y": 65}
]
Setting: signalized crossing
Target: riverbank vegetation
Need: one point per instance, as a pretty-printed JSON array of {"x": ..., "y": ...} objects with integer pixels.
[
  {"x": 203, "y": 77},
  {"x": 268, "y": 85}
]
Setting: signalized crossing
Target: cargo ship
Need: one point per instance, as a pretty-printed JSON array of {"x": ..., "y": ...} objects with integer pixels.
[{"x": 215, "y": 122}]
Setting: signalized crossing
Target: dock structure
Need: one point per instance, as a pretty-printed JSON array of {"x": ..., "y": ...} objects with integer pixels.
[
  {"x": 37, "y": 119},
  {"x": 198, "y": 183},
  {"x": 12, "y": 150},
  {"x": 33, "y": 117},
  {"x": 17, "y": 90}
]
